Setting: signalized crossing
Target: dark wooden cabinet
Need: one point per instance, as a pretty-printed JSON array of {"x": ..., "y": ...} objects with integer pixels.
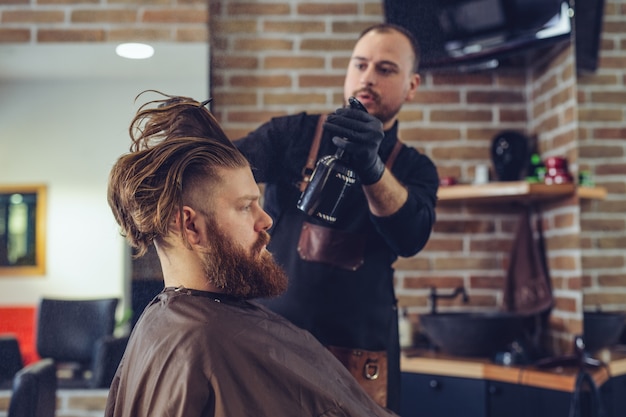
[
  {"x": 426, "y": 395},
  {"x": 505, "y": 399},
  {"x": 512, "y": 400},
  {"x": 613, "y": 394},
  {"x": 442, "y": 396}
]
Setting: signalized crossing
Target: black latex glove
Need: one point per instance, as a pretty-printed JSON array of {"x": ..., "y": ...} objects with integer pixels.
[{"x": 359, "y": 134}]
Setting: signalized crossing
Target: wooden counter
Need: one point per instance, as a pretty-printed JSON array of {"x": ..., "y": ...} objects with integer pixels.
[{"x": 557, "y": 378}]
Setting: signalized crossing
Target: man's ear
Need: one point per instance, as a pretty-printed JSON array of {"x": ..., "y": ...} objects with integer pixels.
[
  {"x": 413, "y": 86},
  {"x": 189, "y": 225}
]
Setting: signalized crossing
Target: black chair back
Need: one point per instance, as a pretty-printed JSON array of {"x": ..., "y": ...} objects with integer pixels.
[
  {"x": 34, "y": 391},
  {"x": 108, "y": 355},
  {"x": 10, "y": 359},
  {"x": 67, "y": 330}
]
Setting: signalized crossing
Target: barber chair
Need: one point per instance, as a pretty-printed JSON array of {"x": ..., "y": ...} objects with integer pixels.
[
  {"x": 34, "y": 391},
  {"x": 10, "y": 360},
  {"x": 78, "y": 336}
]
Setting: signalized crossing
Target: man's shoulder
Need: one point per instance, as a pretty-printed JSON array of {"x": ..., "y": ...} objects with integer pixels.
[{"x": 297, "y": 119}]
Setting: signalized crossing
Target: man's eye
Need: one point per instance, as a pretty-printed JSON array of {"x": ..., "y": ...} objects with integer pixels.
[{"x": 386, "y": 71}]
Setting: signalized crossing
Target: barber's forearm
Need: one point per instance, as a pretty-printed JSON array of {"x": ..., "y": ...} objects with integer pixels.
[{"x": 386, "y": 196}]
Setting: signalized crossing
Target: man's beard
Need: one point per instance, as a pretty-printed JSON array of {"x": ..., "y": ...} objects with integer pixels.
[
  {"x": 241, "y": 274},
  {"x": 382, "y": 113}
]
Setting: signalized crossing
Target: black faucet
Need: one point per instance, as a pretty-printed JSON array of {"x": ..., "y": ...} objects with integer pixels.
[{"x": 434, "y": 296}]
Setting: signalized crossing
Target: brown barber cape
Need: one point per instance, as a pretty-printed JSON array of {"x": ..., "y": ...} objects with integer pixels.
[{"x": 201, "y": 354}]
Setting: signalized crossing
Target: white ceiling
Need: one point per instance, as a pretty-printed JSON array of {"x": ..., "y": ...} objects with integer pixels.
[{"x": 99, "y": 61}]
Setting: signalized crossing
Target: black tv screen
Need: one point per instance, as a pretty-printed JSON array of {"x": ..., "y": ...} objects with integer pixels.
[
  {"x": 588, "y": 19},
  {"x": 456, "y": 33}
]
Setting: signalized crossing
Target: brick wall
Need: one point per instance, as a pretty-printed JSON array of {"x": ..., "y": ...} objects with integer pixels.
[
  {"x": 602, "y": 149},
  {"x": 46, "y": 21},
  {"x": 553, "y": 120},
  {"x": 274, "y": 57}
]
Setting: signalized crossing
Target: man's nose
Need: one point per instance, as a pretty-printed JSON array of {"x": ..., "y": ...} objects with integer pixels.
[
  {"x": 368, "y": 76},
  {"x": 265, "y": 221}
]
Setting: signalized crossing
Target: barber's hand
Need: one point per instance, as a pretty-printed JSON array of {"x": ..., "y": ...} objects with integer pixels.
[{"x": 359, "y": 134}]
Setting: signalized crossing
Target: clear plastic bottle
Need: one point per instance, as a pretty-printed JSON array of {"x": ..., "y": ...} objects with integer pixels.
[{"x": 405, "y": 329}]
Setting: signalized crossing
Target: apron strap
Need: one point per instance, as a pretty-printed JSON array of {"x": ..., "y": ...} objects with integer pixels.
[
  {"x": 394, "y": 153},
  {"x": 312, "y": 158}
]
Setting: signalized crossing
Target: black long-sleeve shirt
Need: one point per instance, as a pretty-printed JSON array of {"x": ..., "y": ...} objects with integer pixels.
[{"x": 340, "y": 307}]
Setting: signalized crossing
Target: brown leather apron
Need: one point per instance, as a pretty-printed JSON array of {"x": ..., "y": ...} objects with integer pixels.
[{"x": 345, "y": 250}]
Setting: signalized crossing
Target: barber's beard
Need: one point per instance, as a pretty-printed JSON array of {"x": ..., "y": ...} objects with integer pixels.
[
  {"x": 383, "y": 112},
  {"x": 239, "y": 273}
]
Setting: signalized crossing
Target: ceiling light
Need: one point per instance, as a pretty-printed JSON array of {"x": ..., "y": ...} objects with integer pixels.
[{"x": 134, "y": 50}]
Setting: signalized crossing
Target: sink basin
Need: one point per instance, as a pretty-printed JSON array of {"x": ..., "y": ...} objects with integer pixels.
[
  {"x": 472, "y": 334},
  {"x": 602, "y": 329}
]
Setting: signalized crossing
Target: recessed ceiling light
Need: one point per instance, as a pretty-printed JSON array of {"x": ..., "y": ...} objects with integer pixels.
[{"x": 134, "y": 50}]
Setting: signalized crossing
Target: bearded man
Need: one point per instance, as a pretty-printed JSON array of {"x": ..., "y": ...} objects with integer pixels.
[{"x": 202, "y": 347}]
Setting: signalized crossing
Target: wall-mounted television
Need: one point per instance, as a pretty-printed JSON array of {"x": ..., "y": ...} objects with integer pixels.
[
  {"x": 479, "y": 33},
  {"x": 588, "y": 19}
]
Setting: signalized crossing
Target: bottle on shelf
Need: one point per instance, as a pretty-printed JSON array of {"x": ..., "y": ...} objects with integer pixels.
[
  {"x": 536, "y": 169},
  {"x": 405, "y": 329}
]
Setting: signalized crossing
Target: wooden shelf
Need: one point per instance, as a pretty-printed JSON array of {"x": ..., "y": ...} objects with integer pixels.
[
  {"x": 592, "y": 193},
  {"x": 508, "y": 191}
]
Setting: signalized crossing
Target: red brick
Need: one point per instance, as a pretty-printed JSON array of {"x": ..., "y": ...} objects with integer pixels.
[
  {"x": 330, "y": 8},
  {"x": 230, "y": 62},
  {"x": 495, "y": 96},
  {"x": 412, "y": 264},
  {"x": 437, "y": 97},
  {"x": 70, "y": 35},
  {"x": 139, "y": 34},
  {"x": 327, "y": 45},
  {"x": 291, "y": 27},
  {"x": 200, "y": 34},
  {"x": 487, "y": 282},
  {"x": 466, "y": 153},
  {"x": 427, "y": 282},
  {"x": 14, "y": 35},
  {"x": 258, "y": 9},
  {"x": 262, "y": 44},
  {"x": 305, "y": 81},
  {"x": 285, "y": 99},
  {"x": 603, "y": 262},
  {"x": 231, "y": 98},
  {"x": 609, "y": 133},
  {"x": 260, "y": 81},
  {"x": 450, "y": 263},
  {"x": 617, "y": 280},
  {"x": 256, "y": 117},
  {"x": 104, "y": 16},
  {"x": 447, "y": 244},
  {"x": 469, "y": 116},
  {"x": 565, "y": 304},
  {"x": 409, "y": 114},
  {"x": 355, "y": 27},
  {"x": 175, "y": 16},
  {"x": 239, "y": 26},
  {"x": 65, "y": 2},
  {"x": 430, "y": 134},
  {"x": 33, "y": 16}
]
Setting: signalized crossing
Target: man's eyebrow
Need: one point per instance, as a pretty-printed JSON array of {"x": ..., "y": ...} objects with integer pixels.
[
  {"x": 390, "y": 63},
  {"x": 248, "y": 197}
]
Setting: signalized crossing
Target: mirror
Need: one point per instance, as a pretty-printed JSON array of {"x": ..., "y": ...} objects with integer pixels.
[{"x": 22, "y": 230}]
